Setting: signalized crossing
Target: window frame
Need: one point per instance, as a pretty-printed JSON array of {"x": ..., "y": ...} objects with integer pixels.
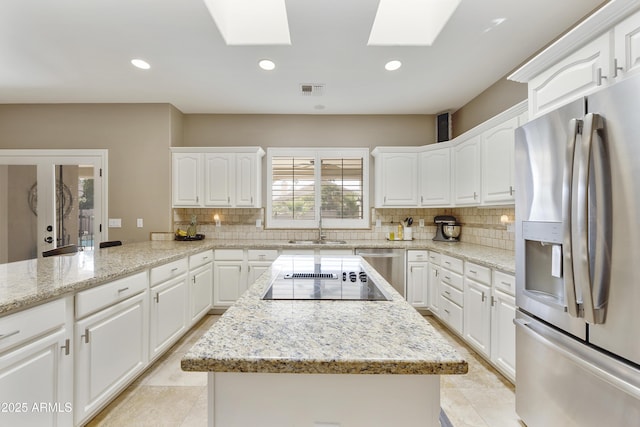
[{"x": 318, "y": 154}]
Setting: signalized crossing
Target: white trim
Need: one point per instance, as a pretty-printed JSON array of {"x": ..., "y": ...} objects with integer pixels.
[{"x": 590, "y": 29}]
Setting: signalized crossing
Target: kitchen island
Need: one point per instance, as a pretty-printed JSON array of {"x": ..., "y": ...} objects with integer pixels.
[{"x": 323, "y": 362}]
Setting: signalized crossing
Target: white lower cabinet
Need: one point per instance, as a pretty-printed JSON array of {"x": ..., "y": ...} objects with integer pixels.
[
  {"x": 36, "y": 366},
  {"x": 200, "y": 285},
  {"x": 167, "y": 314},
  {"x": 433, "y": 285},
  {"x": 229, "y": 277},
  {"x": 112, "y": 348},
  {"x": 451, "y": 288},
  {"x": 418, "y": 278},
  {"x": 503, "y": 331},
  {"x": 477, "y": 316}
]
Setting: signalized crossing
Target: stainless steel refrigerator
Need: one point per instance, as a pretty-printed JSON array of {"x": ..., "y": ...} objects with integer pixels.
[{"x": 578, "y": 262}]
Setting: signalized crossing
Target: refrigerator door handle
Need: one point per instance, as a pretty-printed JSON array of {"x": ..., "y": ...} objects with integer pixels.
[
  {"x": 591, "y": 220},
  {"x": 570, "y": 297}
]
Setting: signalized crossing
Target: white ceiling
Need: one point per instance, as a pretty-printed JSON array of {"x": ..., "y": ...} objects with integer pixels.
[{"x": 67, "y": 51}]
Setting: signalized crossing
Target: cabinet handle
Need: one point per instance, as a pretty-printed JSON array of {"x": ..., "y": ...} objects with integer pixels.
[
  {"x": 10, "y": 334},
  {"x": 446, "y": 311},
  {"x": 447, "y": 292},
  {"x": 447, "y": 277},
  {"x": 473, "y": 272},
  {"x": 174, "y": 269},
  {"x": 475, "y": 195},
  {"x": 505, "y": 283},
  {"x": 194, "y": 280},
  {"x": 385, "y": 199},
  {"x": 85, "y": 336},
  {"x": 157, "y": 297},
  {"x": 511, "y": 190},
  {"x": 123, "y": 289},
  {"x": 600, "y": 77},
  {"x": 205, "y": 257},
  {"x": 66, "y": 347},
  {"x": 197, "y": 199},
  {"x": 483, "y": 297},
  {"x": 228, "y": 199},
  {"x": 437, "y": 273},
  {"x": 248, "y": 268},
  {"x": 493, "y": 301},
  {"x": 421, "y": 199},
  {"x": 251, "y": 199},
  {"x": 616, "y": 68},
  {"x": 447, "y": 262}
]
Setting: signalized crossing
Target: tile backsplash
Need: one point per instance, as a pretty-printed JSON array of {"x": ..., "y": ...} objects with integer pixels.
[{"x": 480, "y": 226}]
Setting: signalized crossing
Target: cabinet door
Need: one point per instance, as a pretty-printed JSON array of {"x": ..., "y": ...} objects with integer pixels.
[
  {"x": 201, "y": 291},
  {"x": 503, "y": 333},
  {"x": 38, "y": 373},
  {"x": 246, "y": 180},
  {"x": 498, "y": 158},
  {"x": 112, "y": 347},
  {"x": 435, "y": 177},
  {"x": 433, "y": 287},
  {"x": 168, "y": 314},
  {"x": 467, "y": 172},
  {"x": 577, "y": 75},
  {"x": 228, "y": 282},
  {"x": 627, "y": 46},
  {"x": 218, "y": 182},
  {"x": 399, "y": 179},
  {"x": 255, "y": 269},
  {"x": 186, "y": 176},
  {"x": 477, "y": 316},
  {"x": 417, "y": 282}
]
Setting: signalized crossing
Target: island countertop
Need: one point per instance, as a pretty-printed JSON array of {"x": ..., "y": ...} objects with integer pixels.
[{"x": 323, "y": 337}]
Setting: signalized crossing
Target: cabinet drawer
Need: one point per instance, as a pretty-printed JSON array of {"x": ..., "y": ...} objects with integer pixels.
[
  {"x": 167, "y": 271},
  {"x": 452, "y": 294},
  {"x": 417, "y": 256},
  {"x": 262, "y": 254},
  {"x": 504, "y": 282},
  {"x": 453, "y": 279},
  {"x": 477, "y": 272},
  {"x": 451, "y": 263},
  {"x": 92, "y": 300},
  {"x": 30, "y": 323},
  {"x": 200, "y": 259},
  {"x": 451, "y": 314},
  {"x": 434, "y": 257},
  {"x": 229, "y": 254}
]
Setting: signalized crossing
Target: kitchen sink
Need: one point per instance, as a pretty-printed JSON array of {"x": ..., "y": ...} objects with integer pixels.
[{"x": 317, "y": 242}]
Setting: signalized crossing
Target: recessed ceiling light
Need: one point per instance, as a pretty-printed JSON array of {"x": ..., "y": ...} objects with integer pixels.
[
  {"x": 266, "y": 64},
  {"x": 140, "y": 63},
  {"x": 392, "y": 65}
]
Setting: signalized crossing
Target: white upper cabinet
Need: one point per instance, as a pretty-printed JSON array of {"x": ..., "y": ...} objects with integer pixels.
[
  {"x": 217, "y": 177},
  {"x": 435, "y": 176},
  {"x": 186, "y": 179},
  {"x": 396, "y": 177},
  {"x": 578, "y": 74},
  {"x": 466, "y": 183},
  {"x": 626, "y": 37},
  {"x": 498, "y": 154}
]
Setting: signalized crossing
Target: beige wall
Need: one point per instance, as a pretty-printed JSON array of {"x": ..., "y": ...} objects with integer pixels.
[
  {"x": 307, "y": 130},
  {"x": 138, "y": 137},
  {"x": 498, "y": 97}
]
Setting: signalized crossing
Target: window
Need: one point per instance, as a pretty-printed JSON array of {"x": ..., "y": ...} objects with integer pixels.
[{"x": 305, "y": 185}]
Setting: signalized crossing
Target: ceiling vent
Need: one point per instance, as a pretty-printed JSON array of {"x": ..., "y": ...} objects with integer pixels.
[{"x": 311, "y": 89}]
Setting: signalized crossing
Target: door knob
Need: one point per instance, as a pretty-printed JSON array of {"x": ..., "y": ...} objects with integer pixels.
[{"x": 48, "y": 239}]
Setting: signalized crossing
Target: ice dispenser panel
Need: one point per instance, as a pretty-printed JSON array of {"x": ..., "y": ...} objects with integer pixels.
[{"x": 543, "y": 261}]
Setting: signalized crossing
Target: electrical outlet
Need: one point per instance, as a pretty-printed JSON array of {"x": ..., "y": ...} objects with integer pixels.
[
  {"x": 421, "y": 222},
  {"x": 115, "y": 222}
]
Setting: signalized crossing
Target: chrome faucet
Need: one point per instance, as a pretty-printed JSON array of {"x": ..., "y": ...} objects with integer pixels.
[{"x": 321, "y": 236}]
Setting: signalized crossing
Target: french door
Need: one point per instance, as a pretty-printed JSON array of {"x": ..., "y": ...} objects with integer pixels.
[{"x": 50, "y": 198}]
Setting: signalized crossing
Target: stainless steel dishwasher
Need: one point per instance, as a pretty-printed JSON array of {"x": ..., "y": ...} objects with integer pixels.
[{"x": 388, "y": 262}]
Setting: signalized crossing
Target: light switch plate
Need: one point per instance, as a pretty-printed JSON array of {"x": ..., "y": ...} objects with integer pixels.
[
  {"x": 115, "y": 222},
  {"x": 140, "y": 223}
]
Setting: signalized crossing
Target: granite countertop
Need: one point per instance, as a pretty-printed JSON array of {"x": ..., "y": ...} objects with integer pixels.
[
  {"x": 323, "y": 337},
  {"x": 27, "y": 283}
]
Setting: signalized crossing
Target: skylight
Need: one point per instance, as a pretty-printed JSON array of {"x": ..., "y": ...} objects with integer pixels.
[
  {"x": 410, "y": 22},
  {"x": 251, "y": 22}
]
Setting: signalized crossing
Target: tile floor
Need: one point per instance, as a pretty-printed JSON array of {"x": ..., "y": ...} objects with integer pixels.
[{"x": 164, "y": 395}]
